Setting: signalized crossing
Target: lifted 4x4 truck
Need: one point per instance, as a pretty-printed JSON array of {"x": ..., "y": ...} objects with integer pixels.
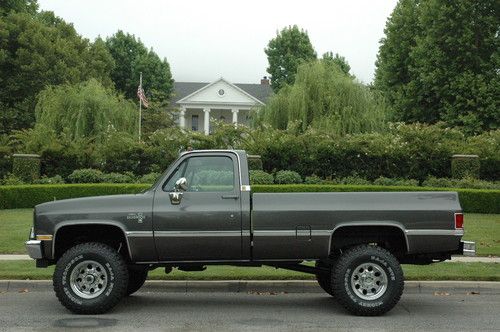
[{"x": 202, "y": 212}]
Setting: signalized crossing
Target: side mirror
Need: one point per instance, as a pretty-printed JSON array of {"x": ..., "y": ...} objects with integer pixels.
[
  {"x": 181, "y": 184},
  {"x": 175, "y": 198}
]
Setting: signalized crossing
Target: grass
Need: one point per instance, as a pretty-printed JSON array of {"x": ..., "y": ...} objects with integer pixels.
[
  {"x": 441, "y": 271},
  {"x": 482, "y": 228}
]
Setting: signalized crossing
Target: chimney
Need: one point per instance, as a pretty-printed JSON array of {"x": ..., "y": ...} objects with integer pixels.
[{"x": 264, "y": 81}]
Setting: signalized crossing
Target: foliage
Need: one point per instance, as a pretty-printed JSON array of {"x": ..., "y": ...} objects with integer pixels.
[
  {"x": 383, "y": 181},
  {"x": 26, "y": 167},
  {"x": 463, "y": 166},
  {"x": 260, "y": 177},
  {"x": 472, "y": 200},
  {"x": 467, "y": 182},
  {"x": 87, "y": 175},
  {"x": 149, "y": 178},
  {"x": 38, "y": 50},
  {"x": 18, "y": 6},
  {"x": 11, "y": 179},
  {"x": 285, "y": 52},
  {"x": 5, "y": 158},
  {"x": 487, "y": 146},
  {"x": 287, "y": 177},
  {"x": 324, "y": 98},
  {"x": 338, "y": 60},
  {"x": 127, "y": 177},
  {"x": 85, "y": 110},
  {"x": 57, "y": 179},
  {"x": 254, "y": 163},
  {"x": 131, "y": 58},
  {"x": 439, "y": 61},
  {"x": 351, "y": 180},
  {"x": 313, "y": 179}
]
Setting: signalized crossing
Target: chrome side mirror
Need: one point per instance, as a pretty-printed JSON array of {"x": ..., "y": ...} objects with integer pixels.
[
  {"x": 181, "y": 184},
  {"x": 175, "y": 198}
]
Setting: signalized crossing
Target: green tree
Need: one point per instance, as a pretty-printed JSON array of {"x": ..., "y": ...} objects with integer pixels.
[
  {"x": 85, "y": 111},
  {"x": 392, "y": 73},
  {"x": 41, "y": 50},
  {"x": 456, "y": 62},
  {"x": 285, "y": 52},
  {"x": 18, "y": 6},
  {"x": 131, "y": 58},
  {"x": 338, "y": 60},
  {"x": 323, "y": 97}
]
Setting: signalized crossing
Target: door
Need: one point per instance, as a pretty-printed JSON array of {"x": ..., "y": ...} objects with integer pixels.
[{"x": 206, "y": 224}]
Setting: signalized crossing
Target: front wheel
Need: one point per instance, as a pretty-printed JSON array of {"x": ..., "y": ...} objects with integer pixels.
[
  {"x": 137, "y": 278},
  {"x": 90, "y": 278},
  {"x": 367, "y": 280}
]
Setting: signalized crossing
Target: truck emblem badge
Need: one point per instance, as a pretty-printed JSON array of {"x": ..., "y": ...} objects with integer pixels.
[{"x": 137, "y": 216}]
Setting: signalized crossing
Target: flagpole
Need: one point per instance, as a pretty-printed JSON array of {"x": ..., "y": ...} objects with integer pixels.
[{"x": 140, "y": 107}]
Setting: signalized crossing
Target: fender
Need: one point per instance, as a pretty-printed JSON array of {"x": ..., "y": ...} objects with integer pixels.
[
  {"x": 89, "y": 222},
  {"x": 387, "y": 223}
]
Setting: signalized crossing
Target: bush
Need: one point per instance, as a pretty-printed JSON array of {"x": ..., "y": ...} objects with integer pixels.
[
  {"x": 260, "y": 177},
  {"x": 313, "y": 179},
  {"x": 118, "y": 178},
  {"x": 465, "y": 166},
  {"x": 382, "y": 181},
  {"x": 11, "y": 179},
  {"x": 26, "y": 167},
  {"x": 351, "y": 180},
  {"x": 87, "y": 175},
  {"x": 254, "y": 163},
  {"x": 5, "y": 158},
  {"x": 470, "y": 183},
  {"x": 149, "y": 178},
  {"x": 49, "y": 180},
  {"x": 287, "y": 177}
]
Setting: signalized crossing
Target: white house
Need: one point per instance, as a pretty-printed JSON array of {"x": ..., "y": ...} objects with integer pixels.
[{"x": 199, "y": 102}]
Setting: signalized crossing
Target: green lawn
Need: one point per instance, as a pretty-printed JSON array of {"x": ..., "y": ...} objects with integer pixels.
[
  {"x": 482, "y": 228},
  {"x": 440, "y": 271}
]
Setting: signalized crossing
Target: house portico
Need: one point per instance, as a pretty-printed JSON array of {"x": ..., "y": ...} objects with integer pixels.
[{"x": 221, "y": 101}]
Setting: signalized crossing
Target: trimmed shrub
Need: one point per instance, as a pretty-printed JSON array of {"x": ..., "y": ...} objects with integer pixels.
[
  {"x": 86, "y": 175},
  {"x": 149, "y": 178},
  {"x": 465, "y": 166},
  {"x": 313, "y": 179},
  {"x": 351, "y": 180},
  {"x": 27, "y": 196},
  {"x": 287, "y": 177},
  {"x": 260, "y": 177},
  {"x": 460, "y": 183},
  {"x": 382, "y": 181},
  {"x": 49, "y": 180},
  {"x": 26, "y": 166},
  {"x": 118, "y": 178}
]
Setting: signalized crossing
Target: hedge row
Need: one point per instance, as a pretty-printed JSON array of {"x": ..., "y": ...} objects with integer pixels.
[{"x": 26, "y": 196}]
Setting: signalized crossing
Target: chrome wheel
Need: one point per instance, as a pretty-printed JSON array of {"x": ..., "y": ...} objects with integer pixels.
[
  {"x": 369, "y": 281},
  {"x": 88, "y": 279}
]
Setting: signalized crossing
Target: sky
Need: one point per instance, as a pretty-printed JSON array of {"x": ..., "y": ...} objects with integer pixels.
[{"x": 206, "y": 40}]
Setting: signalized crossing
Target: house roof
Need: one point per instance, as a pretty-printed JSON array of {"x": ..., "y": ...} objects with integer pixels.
[{"x": 258, "y": 91}]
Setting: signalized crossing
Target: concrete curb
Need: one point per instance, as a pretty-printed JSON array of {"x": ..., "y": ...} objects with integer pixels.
[{"x": 268, "y": 286}]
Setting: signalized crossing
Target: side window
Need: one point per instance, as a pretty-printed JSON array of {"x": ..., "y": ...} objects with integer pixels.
[{"x": 204, "y": 174}]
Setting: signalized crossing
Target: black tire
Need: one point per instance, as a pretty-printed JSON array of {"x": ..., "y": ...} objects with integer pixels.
[
  {"x": 95, "y": 263},
  {"x": 358, "y": 288},
  {"x": 136, "y": 279},
  {"x": 324, "y": 279}
]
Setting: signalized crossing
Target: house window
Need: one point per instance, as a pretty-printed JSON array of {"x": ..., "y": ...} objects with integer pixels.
[{"x": 194, "y": 123}]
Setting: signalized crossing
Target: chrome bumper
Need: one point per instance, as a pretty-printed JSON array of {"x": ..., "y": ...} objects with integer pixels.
[
  {"x": 468, "y": 248},
  {"x": 34, "y": 248}
]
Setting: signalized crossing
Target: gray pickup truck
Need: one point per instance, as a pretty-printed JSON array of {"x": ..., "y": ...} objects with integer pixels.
[{"x": 202, "y": 212}]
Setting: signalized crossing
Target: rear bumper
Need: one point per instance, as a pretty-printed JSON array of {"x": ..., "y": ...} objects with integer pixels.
[
  {"x": 34, "y": 248},
  {"x": 468, "y": 248}
]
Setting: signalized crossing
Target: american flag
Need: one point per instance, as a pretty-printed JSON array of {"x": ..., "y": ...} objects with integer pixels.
[{"x": 142, "y": 96}]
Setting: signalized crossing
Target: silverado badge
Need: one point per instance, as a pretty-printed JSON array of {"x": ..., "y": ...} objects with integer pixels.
[{"x": 138, "y": 216}]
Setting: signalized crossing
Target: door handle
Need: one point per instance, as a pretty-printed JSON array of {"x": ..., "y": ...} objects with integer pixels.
[{"x": 230, "y": 196}]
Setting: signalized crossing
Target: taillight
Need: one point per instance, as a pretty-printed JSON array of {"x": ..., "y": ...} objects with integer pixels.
[{"x": 459, "y": 220}]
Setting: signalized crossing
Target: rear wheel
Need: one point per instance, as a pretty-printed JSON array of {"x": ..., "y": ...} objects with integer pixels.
[
  {"x": 137, "y": 278},
  {"x": 367, "y": 280},
  {"x": 90, "y": 278}
]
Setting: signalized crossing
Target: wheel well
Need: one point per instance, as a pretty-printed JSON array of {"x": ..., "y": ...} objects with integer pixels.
[
  {"x": 391, "y": 238},
  {"x": 69, "y": 236}
]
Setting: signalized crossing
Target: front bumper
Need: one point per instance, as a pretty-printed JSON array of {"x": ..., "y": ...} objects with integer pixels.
[
  {"x": 468, "y": 248},
  {"x": 34, "y": 248}
]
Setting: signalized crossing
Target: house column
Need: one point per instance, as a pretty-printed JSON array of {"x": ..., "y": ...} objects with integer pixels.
[
  {"x": 182, "y": 118},
  {"x": 235, "y": 116},
  {"x": 206, "y": 121}
]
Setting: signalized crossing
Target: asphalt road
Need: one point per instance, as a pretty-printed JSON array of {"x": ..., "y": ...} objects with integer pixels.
[{"x": 251, "y": 311}]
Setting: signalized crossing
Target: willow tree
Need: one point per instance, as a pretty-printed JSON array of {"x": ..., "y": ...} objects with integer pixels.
[
  {"x": 325, "y": 98},
  {"x": 85, "y": 110}
]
